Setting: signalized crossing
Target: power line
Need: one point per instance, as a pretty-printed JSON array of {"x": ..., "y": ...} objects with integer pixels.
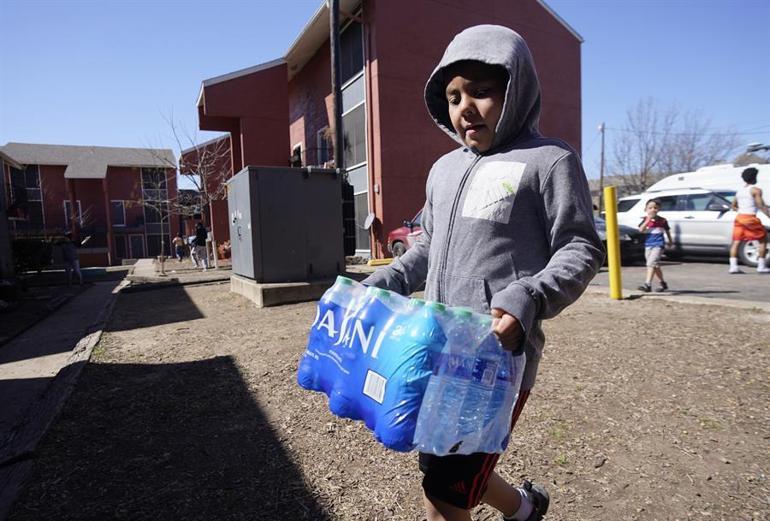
[{"x": 748, "y": 133}]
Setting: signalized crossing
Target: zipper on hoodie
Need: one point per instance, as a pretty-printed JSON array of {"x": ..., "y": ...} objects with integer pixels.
[{"x": 452, "y": 214}]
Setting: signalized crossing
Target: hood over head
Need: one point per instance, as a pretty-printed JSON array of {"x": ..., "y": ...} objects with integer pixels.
[{"x": 493, "y": 45}]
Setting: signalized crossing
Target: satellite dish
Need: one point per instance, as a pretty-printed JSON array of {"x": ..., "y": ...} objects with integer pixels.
[{"x": 369, "y": 221}]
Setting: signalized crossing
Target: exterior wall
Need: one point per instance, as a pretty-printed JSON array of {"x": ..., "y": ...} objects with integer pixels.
[
  {"x": 216, "y": 214},
  {"x": 308, "y": 91},
  {"x": 123, "y": 183},
  {"x": 402, "y": 54}
]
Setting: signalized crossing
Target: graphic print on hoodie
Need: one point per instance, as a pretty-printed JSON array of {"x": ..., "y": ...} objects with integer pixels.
[{"x": 510, "y": 228}]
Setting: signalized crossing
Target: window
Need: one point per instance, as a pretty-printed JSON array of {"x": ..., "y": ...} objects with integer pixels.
[
  {"x": 154, "y": 179},
  {"x": 121, "y": 250},
  {"x": 626, "y": 205},
  {"x": 354, "y": 136},
  {"x": 667, "y": 203},
  {"x": 698, "y": 202},
  {"x": 351, "y": 51},
  {"x": 730, "y": 195},
  {"x": 68, "y": 213},
  {"x": 118, "y": 213},
  {"x": 26, "y": 199},
  {"x": 323, "y": 146}
]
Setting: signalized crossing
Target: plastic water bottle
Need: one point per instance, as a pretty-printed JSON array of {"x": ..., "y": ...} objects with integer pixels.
[
  {"x": 332, "y": 311},
  {"x": 361, "y": 339},
  {"x": 438, "y": 424},
  {"x": 497, "y": 419},
  {"x": 418, "y": 340}
]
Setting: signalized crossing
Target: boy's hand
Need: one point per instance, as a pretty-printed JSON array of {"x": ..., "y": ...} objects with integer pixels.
[{"x": 507, "y": 328}]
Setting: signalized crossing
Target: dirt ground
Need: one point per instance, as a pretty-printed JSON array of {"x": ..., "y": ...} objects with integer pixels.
[{"x": 189, "y": 409}]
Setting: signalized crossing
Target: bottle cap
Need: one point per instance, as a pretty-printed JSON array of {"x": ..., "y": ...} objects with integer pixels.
[
  {"x": 462, "y": 312},
  {"x": 344, "y": 280},
  {"x": 378, "y": 292},
  {"x": 436, "y": 306}
]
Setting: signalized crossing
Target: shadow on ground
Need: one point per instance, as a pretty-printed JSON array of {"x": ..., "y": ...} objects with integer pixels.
[
  {"x": 177, "y": 307},
  {"x": 164, "y": 442}
]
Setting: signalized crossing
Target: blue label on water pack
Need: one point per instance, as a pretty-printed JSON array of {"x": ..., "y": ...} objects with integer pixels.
[{"x": 373, "y": 364}]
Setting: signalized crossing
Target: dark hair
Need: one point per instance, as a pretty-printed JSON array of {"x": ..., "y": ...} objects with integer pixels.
[
  {"x": 656, "y": 201},
  {"x": 750, "y": 175},
  {"x": 494, "y": 72}
]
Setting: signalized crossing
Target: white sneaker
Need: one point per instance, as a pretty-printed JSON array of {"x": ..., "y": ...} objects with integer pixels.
[
  {"x": 763, "y": 270},
  {"x": 734, "y": 270}
]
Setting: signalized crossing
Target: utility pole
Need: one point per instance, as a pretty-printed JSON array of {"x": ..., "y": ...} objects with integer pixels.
[
  {"x": 334, "y": 40},
  {"x": 601, "y": 173}
]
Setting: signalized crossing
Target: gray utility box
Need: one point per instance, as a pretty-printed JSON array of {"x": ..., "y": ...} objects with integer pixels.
[{"x": 286, "y": 224}]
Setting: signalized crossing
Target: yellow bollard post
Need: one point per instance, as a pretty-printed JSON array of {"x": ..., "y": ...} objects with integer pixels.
[{"x": 613, "y": 242}]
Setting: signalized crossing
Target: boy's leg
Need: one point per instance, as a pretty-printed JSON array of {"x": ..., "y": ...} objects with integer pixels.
[{"x": 437, "y": 510}]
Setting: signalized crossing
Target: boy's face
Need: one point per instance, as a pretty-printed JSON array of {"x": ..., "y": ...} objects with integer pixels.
[
  {"x": 475, "y": 94},
  {"x": 652, "y": 209}
]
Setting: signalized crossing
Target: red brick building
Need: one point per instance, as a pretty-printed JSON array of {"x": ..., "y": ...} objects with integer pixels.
[
  {"x": 282, "y": 109},
  {"x": 118, "y": 196},
  {"x": 211, "y": 163}
]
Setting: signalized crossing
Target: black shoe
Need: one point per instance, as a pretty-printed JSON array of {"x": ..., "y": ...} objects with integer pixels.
[
  {"x": 663, "y": 287},
  {"x": 645, "y": 287},
  {"x": 540, "y": 501}
]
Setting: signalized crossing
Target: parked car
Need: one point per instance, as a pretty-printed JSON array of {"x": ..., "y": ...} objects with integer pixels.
[
  {"x": 399, "y": 240},
  {"x": 701, "y": 221},
  {"x": 631, "y": 240}
]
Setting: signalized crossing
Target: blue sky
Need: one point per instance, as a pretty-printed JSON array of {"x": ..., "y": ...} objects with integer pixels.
[{"x": 107, "y": 72}]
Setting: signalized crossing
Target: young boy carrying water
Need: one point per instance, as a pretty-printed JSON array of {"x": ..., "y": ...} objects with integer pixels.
[{"x": 507, "y": 230}]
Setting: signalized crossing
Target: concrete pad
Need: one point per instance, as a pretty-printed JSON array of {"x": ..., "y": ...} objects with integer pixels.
[{"x": 266, "y": 295}]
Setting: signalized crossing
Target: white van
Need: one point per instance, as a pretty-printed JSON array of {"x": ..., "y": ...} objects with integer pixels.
[{"x": 722, "y": 179}]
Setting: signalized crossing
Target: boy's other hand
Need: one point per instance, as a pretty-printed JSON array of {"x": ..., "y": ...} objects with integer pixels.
[{"x": 507, "y": 328}]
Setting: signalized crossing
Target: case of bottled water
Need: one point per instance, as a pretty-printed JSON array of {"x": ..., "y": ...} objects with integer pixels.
[{"x": 418, "y": 374}]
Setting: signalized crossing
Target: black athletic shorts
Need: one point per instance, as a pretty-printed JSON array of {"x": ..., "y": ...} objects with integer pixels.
[{"x": 460, "y": 479}]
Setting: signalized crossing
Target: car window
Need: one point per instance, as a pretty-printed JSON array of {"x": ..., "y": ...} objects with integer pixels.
[
  {"x": 667, "y": 203},
  {"x": 698, "y": 202},
  {"x": 626, "y": 204},
  {"x": 729, "y": 196}
]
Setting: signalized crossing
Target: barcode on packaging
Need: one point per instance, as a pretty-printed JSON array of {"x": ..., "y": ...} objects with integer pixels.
[{"x": 374, "y": 386}]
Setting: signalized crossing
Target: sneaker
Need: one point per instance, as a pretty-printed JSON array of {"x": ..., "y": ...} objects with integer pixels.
[
  {"x": 663, "y": 287},
  {"x": 734, "y": 270},
  {"x": 645, "y": 287},
  {"x": 540, "y": 500},
  {"x": 763, "y": 270}
]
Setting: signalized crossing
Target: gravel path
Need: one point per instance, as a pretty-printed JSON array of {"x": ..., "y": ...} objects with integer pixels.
[{"x": 644, "y": 410}]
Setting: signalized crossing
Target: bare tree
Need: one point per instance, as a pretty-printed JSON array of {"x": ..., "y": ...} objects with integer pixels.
[
  {"x": 657, "y": 141},
  {"x": 695, "y": 145},
  {"x": 639, "y": 145},
  {"x": 205, "y": 165}
]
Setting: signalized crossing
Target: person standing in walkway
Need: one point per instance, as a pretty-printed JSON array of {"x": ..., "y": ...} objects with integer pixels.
[
  {"x": 71, "y": 261},
  {"x": 657, "y": 230},
  {"x": 201, "y": 253},
  {"x": 178, "y": 247},
  {"x": 747, "y": 227}
]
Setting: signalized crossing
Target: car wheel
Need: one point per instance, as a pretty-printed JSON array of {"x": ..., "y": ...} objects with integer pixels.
[
  {"x": 398, "y": 249},
  {"x": 748, "y": 253}
]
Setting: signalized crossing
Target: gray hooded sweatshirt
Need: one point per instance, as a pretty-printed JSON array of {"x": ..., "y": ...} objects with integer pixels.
[{"x": 510, "y": 228}]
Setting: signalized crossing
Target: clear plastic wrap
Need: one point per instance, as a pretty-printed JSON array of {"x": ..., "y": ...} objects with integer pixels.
[{"x": 418, "y": 374}]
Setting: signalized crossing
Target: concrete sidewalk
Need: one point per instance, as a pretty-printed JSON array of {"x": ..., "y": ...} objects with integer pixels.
[
  {"x": 145, "y": 273},
  {"x": 38, "y": 369}
]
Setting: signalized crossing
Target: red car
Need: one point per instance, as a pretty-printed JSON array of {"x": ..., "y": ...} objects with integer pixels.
[{"x": 400, "y": 239}]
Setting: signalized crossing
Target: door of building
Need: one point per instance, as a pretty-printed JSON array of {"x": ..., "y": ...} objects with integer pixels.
[{"x": 137, "y": 246}]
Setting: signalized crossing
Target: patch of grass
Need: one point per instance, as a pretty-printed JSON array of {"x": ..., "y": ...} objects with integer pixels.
[
  {"x": 559, "y": 431},
  {"x": 561, "y": 460},
  {"x": 99, "y": 350},
  {"x": 710, "y": 424}
]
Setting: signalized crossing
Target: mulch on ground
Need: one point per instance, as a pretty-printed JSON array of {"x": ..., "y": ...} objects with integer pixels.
[{"x": 189, "y": 409}]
